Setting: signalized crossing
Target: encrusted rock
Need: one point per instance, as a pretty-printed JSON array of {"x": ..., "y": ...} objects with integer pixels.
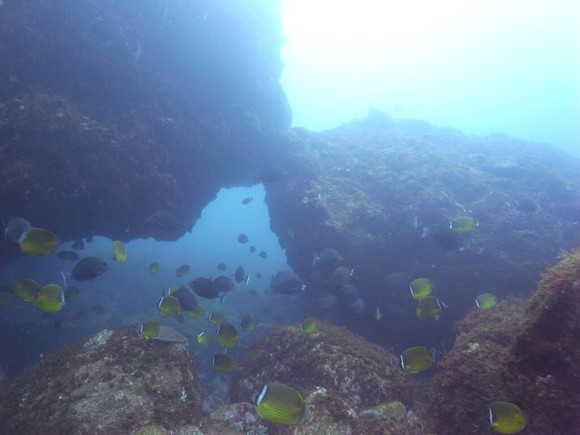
[{"x": 115, "y": 382}]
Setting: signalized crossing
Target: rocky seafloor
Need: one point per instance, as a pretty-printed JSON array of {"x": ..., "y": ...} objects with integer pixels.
[{"x": 118, "y": 382}]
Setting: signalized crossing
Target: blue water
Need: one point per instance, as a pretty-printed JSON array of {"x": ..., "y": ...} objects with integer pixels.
[
  {"x": 499, "y": 67},
  {"x": 129, "y": 293}
]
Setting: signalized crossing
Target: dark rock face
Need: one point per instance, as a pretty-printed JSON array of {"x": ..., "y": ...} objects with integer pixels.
[
  {"x": 369, "y": 188},
  {"x": 114, "y": 382},
  {"x": 112, "y": 112}
]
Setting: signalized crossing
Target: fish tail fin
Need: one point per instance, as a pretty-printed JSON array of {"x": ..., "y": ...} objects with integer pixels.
[
  {"x": 63, "y": 279},
  {"x": 222, "y": 297}
]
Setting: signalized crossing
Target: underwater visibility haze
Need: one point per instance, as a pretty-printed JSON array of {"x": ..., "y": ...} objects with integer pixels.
[{"x": 289, "y": 217}]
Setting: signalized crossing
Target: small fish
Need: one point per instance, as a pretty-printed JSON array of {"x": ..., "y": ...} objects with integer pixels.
[
  {"x": 224, "y": 283},
  {"x": 291, "y": 233},
  {"x": 119, "y": 251},
  {"x": 89, "y": 268},
  {"x": 430, "y": 306},
  {"x": 240, "y": 274},
  {"x": 198, "y": 313},
  {"x": 223, "y": 363},
  {"x": 259, "y": 275},
  {"x": 169, "y": 306},
  {"x": 186, "y": 298},
  {"x": 485, "y": 301},
  {"x": 506, "y": 418},
  {"x": 50, "y": 298},
  {"x": 71, "y": 293},
  {"x": 182, "y": 270},
  {"x": 247, "y": 200},
  {"x": 242, "y": 238},
  {"x": 249, "y": 322},
  {"x": 420, "y": 288},
  {"x": 16, "y": 228},
  {"x": 228, "y": 335},
  {"x": 205, "y": 287},
  {"x": 444, "y": 237},
  {"x": 378, "y": 314},
  {"x": 416, "y": 360},
  {"x": 280, "y": 403},
  {"x": 252, "y": 249},
  {"x": 222, "y": 267},
  {"x": 463, "y": 224},
  {"x": 216, "y": 318},
  {"x": 78, "y": 245},
  {"x": 149, "y": 329},
  {"x": 328, "y": 258},
  {"x": 286, "y": 283},
  {"x": 308, "y": 325},
  {"x": 204, "y": 339},
  {"x": 341, "y": 276},
  {"x": 154, "y": 267},
  {"x": 263, "y": 254},
  {"x": 26, "y": 289},
  {"x": 38, "y": 241}
]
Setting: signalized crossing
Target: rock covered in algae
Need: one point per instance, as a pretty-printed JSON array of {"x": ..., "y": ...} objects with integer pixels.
[
  {"x": 525, "y": 353},
  {"x": 471, "y": 371},
  {"x": 338, "y": 373},
  {"x": 347, "y": 365},
  {"x": 236, "y": 418},
  {"x": 114, "y": 382},
  {"x": 544, "y": 371}
]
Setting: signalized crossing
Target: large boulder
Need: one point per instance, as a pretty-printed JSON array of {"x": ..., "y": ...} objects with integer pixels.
[
  {"x": 113, "y": 382},
  {"x": 382, "y": 193},
  {"x": 518, "y": 352},
  {"x": 339, "y": 373},
  {"x": 113, "y": 112}
]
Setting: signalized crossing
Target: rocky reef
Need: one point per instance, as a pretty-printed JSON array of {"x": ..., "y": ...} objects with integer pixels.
[
  {"x": 112, "y": 112},
  {"x": 473, "y": 370},
  {"x": 520, "y": 352},
  {"x": 124, "y": 120},
  {"x": 543, "y": 372},
  {"x": 113, "y": 382},
  {"x": 346, "y": 381},
  {"x": 373, "y": 187}
]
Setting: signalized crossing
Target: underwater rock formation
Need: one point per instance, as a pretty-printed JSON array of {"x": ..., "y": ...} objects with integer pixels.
[
  {"x": 113, "y": 382},
  {"x": 543, "y": 373},
  {"x": 112, "y": 112},
  {"x": 338, "y": 372},
  {"x": 473, "y": 370},
  {"x": 373, "y": 189},
  {"x": 516, "y": 352}
]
